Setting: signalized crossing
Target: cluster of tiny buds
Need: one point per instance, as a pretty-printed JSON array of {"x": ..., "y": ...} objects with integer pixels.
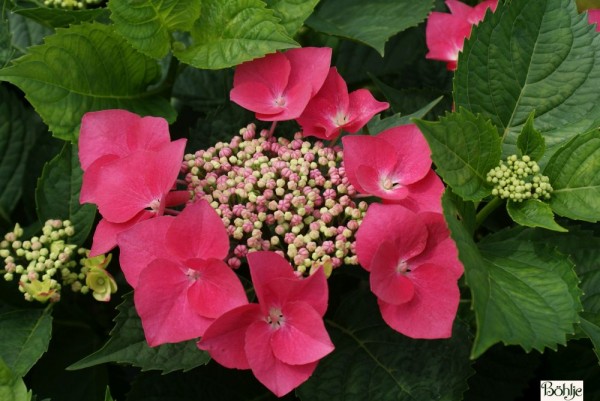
[
  {"x": 71, "y": 4},
  {"x": 44, "y": 264},
  {"x": 287, "y": 196},
  {"x": 519, "y": 180}
]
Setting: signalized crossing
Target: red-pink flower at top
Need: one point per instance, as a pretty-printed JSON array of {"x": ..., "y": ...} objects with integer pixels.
[
  {"x": 175, "y": 265},
  {"x": 332, "y": 109},
  {"x": 130, "y": 165},
  {"x": 282, "y": 338},
  {"x": 594, "y": 18},
  {"x": 394, "y": 165},
  {"x": 414, "y": 269},
  {"x": 277, "y": 87},
  {"x": 445, "y": 33}
]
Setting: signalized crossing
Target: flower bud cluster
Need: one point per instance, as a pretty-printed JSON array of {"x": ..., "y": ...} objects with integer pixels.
[
  {"x": 71, "y": 4},
  {"x": 519, "y": 180},
  {"x": 45, "y": 264},
  {"x": 287, "y": 196}
]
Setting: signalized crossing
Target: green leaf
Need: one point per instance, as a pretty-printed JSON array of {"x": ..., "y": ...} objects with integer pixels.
[
  {"x": 464, "y": 148},
  {"x": 127, "y": 344},
  {"x": 12, "y": 387},
  {"x": 373, "y": 362},
  {"x": 58, "y": 17},
  {"x": 147, "y": 25},
  {"x": 57, "y": 194},
  {"x": 25, "y": 32},
  {"x": 230, "y": 32},
  {"x": 15, "y": 142},
  {"x": 85, "y": 68},
  {"x": 530, "y": 142},
  {"x": 292, "y": 13},
  {"x": 377, "y": 125},
  {"x": 573, "y": 174},
  {"x": 533, "y": 213},
  {"x": 521, "y": 294},
  {"x": 107, "y": 396},
  {"x": 24, "y": 337},
  {"x": 368, "y": 22},
  {"x": 593, "y": 332},
  {"x": 532, "y": 55}
]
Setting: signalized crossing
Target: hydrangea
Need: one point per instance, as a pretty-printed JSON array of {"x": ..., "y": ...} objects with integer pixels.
[{"x": 519, "y": 179}]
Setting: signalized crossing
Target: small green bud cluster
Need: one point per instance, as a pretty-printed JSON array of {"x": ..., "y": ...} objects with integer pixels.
[
  {"x": 71, "y": 4},
  {"x": 45, "y": 264},
  {"x": 519, "y": 180}
]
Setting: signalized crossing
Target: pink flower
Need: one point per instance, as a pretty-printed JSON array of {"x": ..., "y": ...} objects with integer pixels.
[
  {"x": 594, "y": 18},
  {"x": 278, "y": 86},
  {"x": 445, "y": 33},
  {"x": 333, "y": 109},
  {"x": 394, "y": 165},
  {"x": 175, "y": 265},
  {"x": 282, "y": 338},
  {"x": 130, "y": 165},
  {"x": 414, "y": 269}
]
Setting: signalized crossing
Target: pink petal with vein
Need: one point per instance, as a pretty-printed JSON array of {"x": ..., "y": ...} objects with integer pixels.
[
  {"x": 216, "y": 290},
  {"x": 129, "y": 185},
  {"x": 423, "y": 196},
  {"x": 362, "y": 107},
  {"x": 105, "y": 236},
  {"x": 277, "y": 376},
  {"x": 445, "y": 35},
  {"x": 310, "y": 66},
  {"x": 431, "y": 312},
  {"x": 119, "y": 133},
  {"x": 90, "y": 178},
  {"x": 198, "y": 232},
  {"x": 594, "y": 18},
  {"x": 371, "y": 151},
  {"x": 312, "y": 290},
  {"x": 266, "y": 266},
  {"x": 302, "y": 337},
  {"x": 387, "y": 283},
  {"x": 141, "y": 244},
  {"x": 225, "y": 338},
  {"x": 161, "y": 300},
  {"x": 389, "y": 222}
]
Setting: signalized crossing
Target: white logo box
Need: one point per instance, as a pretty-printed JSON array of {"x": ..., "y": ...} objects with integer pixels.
[{"x": 561, "y": 390}]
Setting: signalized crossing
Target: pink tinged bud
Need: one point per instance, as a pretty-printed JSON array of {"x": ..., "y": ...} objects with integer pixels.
[{"x": 288, "y": 237}]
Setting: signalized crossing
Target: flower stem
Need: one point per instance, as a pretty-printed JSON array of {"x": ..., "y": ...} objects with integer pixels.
[
  {"x": 487, "y": 210},
  {"x": 272, "y": 129}
]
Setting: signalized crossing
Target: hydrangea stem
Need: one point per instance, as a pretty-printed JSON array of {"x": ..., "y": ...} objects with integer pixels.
[{"x": 487, "y": 210}]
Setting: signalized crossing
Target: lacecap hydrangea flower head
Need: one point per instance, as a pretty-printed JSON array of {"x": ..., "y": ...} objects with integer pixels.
[{"x": 293, "y": 210}]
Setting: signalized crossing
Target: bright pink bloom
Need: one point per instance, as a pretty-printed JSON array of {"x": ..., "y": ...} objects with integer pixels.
[
  {"x": 278, "y": 86},
  {"x": 394, "y": 165},
  {"x": 125, "y": 186},
  {"x": 414, "y": 269},
  {"x": 333, "y": 109},
  {"x": 119, "y": 133},
  {"x": 445, "y": 33},
  {"x": 594, "y": 18},
  {"x": 175, "y": 265},
  {"x": 282, "y": 338}
]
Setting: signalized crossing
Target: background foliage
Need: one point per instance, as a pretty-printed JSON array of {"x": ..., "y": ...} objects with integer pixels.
[{"x": 527, "y": 83}]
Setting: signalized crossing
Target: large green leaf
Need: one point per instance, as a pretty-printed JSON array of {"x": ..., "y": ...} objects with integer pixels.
[
  {"x": 573, "y": 173},
  {"x": 24, "y": 337},
  {"x": 533, "y": 213},
  {"x": 85, "y": 68},
  {"x": 373, "y": 362},
  {"x": 230, "y": 32},
  {"x": 521, "y": 294},
  {"x": 57, "y": 194},
  {"x": 147, "y": 25},
  {"x": 12, "y": 387},
  {"x": 533, "y": 55},
  {"x": 464, "y": 148},
  {"x": 127, "y": 344},
  {"x": 15, "y": 141},
  {"x": 292, "y": 13},
  {"x": 369, "y": 22},
  {"x": 25, "y": 32}
]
